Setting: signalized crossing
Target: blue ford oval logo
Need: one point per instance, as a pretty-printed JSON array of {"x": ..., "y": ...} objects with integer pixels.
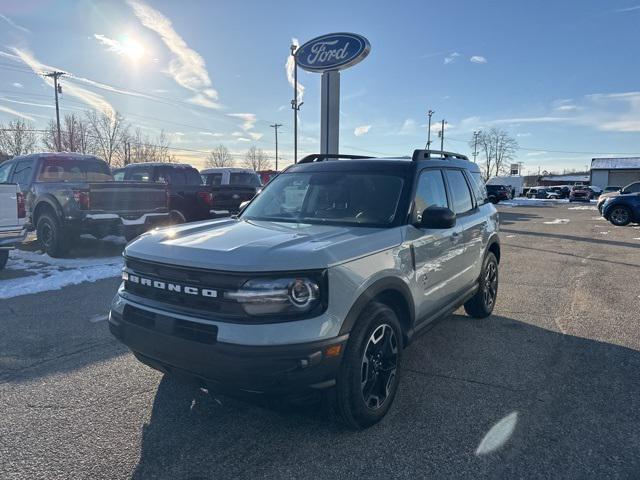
[{"x": 335, "y": 51}]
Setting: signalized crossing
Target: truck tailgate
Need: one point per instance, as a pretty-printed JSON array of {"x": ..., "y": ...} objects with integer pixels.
[
  {"x": 127, "y": 196},
  {"x": 229, "y": 197},
  {"x": 8, "y": 205}
]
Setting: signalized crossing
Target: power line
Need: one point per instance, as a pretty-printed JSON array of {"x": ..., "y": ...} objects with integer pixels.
[
  {"x": 275, "y": 127},
  {"x": 57, "y": 89}
]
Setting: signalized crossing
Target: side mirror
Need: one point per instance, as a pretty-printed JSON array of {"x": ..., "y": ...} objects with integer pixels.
[{"x": 437, "y": 217}]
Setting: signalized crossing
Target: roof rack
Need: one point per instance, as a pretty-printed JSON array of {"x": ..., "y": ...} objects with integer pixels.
[
  {"x": 426, "y": 154},
  {"x": 319, "y": 157}
]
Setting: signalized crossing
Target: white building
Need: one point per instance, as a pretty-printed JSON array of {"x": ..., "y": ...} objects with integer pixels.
[{"x": 614, "y": 171}]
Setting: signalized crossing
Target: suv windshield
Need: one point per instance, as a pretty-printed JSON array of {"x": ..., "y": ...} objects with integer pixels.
[
  {"x": 73, "y": 170},
  {"x": 345, "y": 198}
]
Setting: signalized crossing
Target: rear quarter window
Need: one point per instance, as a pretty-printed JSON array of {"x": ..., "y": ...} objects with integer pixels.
[{"x": 479, "y": 187}]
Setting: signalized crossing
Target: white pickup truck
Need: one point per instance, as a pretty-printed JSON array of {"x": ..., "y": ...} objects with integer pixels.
[{"x": 12, "y": 219}]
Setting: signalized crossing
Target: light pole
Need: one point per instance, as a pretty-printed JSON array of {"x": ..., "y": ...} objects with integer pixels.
[
  {"x": 430, "y": 112},
  {"x": 476, "y": 134},
  {"x": 275, "y": 126},
  {"x": 441, "y": 133},
  {"x": 294, "y": 103},
  {"x": 58, "y": 89}
]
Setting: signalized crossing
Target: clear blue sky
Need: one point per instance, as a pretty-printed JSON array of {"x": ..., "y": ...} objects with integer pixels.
[{"x": 559, "y": 76}]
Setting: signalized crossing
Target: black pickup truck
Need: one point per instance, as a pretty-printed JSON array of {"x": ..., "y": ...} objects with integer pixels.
[
  {"x": 231, "y": 187},
  {"x": 68, "y": 194},
  {"x": 189, "y": 199}
]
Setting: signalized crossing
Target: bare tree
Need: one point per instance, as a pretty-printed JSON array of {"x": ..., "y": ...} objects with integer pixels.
[
  {"x": 497, "y": 148},
  {"x": 108, "y": 134},
  {"x": 74, "y": 136},
  {"x": 18, "y": 137},
  {"x": 219, "y": 157},
  {"x": 139, "y": 148},
  {"x": 256, "y": 159}
]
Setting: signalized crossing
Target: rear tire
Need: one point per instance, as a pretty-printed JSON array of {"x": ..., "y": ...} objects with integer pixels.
[
  {"x": 482, "y": 303},
  {"x": 4, "y": 256},
  {"x": 620, "y": 216},
  {"x": 51, "y": 237},
  {"x": 374, "y": 351}
]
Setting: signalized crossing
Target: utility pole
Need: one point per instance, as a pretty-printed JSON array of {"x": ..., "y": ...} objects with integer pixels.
[
  {"x": 57, "y": 89},
  {"x": 476, "y": 134},
  {"x": 275, "y": 126},
  {"x": 294, "y": 104},
  {"x": 441, "y": 135},
  {"x": 430, "y": 112}
]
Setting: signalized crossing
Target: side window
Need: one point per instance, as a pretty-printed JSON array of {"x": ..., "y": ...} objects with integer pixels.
[
  {"x": 430, "y": 192},
  {"x": 634, "y": 187},
  {"x": 139, "y": 175},
  {"x": 5, "y": 168},
  {"x": 459, "y": 189},
  {"x": 214, "y": 179},
  {"x": 22, "y": 173},
  {"x": 479, "y": 188},
  {"x": 192, "y": 177}
]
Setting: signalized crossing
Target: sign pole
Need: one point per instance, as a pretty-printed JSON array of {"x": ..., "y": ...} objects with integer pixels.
[{"x": 330, "y": 112}]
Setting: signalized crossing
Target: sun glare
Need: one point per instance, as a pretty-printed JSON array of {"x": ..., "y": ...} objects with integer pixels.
[{"x": 132, "y": 49}]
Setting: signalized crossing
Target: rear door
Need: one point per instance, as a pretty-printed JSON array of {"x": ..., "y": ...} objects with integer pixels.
[
  {"x": 437, "y": 252},
  {"x": 23, "y": 173},
  {"x": 471, "y": 222},
  {"x": 8, "y": 205}
]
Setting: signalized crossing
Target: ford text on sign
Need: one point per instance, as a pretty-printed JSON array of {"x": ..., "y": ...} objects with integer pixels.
[{"x": 335, "y": 51}]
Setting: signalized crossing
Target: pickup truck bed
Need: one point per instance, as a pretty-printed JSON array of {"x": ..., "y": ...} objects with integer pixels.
[{"x": 68, "y": 194}]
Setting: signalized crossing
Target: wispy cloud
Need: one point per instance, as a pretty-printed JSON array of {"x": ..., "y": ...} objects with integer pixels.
[
  {"x": 90, "y": 98},
  {"x": 289, "y": 67},
  {"x": 408, "y": 127},
  {"x": 187, "y": 67},
  {"x": 478, "y": 59},
  {"x": 628, "y": 9},
  {"x": 17, "y": 84},
  {"x": 248, "y": 120},
  {"x": 14, "y": 24},
  {"x": 451, "y": 58},
  {"x": 15, "y": 112},
  {"x": 361, "y": 130},
  {"x": 211, "y": 134}
]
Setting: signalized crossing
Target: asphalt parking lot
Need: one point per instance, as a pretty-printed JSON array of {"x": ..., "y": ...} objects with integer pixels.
[{"x": 548, "y": 387}]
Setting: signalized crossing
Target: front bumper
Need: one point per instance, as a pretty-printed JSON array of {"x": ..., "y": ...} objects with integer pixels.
[{"x": 191, "y": 350}]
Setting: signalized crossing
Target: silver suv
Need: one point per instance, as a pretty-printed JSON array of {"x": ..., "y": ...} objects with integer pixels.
[{"x": 319, "y": 284}]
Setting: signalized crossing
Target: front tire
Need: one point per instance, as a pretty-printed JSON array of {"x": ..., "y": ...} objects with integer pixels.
[
  {"x": 4, "y": 257},
  {"x": 370, "y": 372},
  {"x": 620, "y": 216},
  {"x": 482, "y": 303},
  {"x": 51, "y": 237}
]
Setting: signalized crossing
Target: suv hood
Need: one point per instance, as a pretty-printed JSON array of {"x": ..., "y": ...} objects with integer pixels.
[{"x": 257, "y": 246}]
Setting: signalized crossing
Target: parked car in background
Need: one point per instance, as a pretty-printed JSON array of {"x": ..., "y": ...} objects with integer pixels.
[
  {"x": 562, "y": 191},
  {"x": 498, "y": 193},
  {"x": 267, "y": 175},
  {"x": 13, "y": 216},
  {"x": 623, "y": 209},
  {"x": 628, "y": 189},
  {"x": 580, "y": 193},
  {"x": 189, "y": 199},
  {"x": 68, "y": 194},
  {"x": 541, "y": 192},
  {"x": 231, "y": 187}
]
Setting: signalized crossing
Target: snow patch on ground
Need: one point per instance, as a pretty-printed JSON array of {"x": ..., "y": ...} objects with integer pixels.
[
  {"x": 46, "y": 273},
  {"x": 584, "y": 207},
  {"x": 510, "y": 236},
  {"x": 557, "y": 221},
  {"x": 604, "y": 233},
  {"x": 530, "y": 202}
]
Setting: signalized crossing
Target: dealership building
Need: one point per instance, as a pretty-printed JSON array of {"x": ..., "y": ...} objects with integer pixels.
[{"x": 614, "y": 171}]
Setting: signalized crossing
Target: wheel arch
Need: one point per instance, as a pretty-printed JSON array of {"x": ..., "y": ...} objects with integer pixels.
[
  {"x": 494, "y": 247},
  {"x": 390, "y": 291},
  {"x": 43, "y": 205}
]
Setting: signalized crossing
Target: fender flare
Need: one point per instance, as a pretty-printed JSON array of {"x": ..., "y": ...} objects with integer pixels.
[
  {"x": 50, "y": 201},
  {"x": 376, "y": 288}
]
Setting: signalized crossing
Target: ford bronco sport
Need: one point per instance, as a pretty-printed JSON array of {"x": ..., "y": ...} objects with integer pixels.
[{"x": 320, "y": 282}]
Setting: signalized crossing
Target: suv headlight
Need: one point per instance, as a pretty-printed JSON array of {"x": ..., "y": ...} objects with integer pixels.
[{"x": 287, "y": 295}]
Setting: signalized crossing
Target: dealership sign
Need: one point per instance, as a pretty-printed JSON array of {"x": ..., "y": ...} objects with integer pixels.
[{"x": 332, "y": 52}]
